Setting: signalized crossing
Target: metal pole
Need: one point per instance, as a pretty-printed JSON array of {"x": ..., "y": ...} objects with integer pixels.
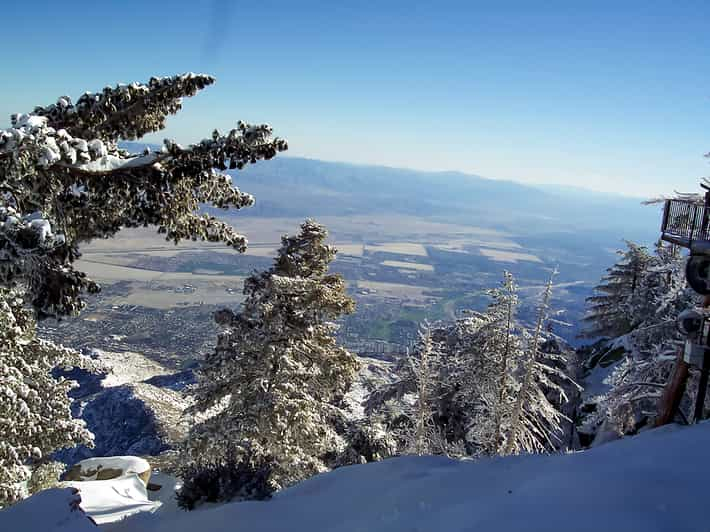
[
  {"x": 702, "y": 389},
  {"x": 673, "y": 393},
  {"x": 666, "y": 213},
  {"x": 705, "y": 370},
  {"x": 702, "y": 385}
]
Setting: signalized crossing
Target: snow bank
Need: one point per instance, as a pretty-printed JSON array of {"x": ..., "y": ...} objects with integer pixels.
[
  {"x": 653, "y": 482},
  {"x": 54, "y": 510},
  {"x": 107, "y": 501}
]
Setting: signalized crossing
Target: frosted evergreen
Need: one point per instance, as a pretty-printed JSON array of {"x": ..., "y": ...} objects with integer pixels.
[
  {"x": 35, "y": 416},
  {"x": 651, "y": 290},
  {"x": 64, "y": 181},
  {"x": 275, "y": 381},
  {"x": 483, "y": 385}
]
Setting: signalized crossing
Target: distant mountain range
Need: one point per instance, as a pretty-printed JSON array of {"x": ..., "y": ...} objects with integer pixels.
[{"x": 298, "y": 187}]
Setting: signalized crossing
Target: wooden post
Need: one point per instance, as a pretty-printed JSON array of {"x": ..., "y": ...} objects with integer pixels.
[{"x": 673, "y": 393}]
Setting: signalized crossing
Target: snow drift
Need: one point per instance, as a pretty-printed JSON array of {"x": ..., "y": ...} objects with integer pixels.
[
  {"x": 653, "y": 482},
  {"x": 53, "y": 510}
]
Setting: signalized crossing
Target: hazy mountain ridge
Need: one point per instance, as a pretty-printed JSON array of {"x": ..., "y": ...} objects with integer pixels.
[
  {"x": 306, "y": 185},
  {"x": 299, "y": 187}
]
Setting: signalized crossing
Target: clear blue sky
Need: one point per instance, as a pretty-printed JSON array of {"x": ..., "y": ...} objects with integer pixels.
[{"x": 604, "y": 95}]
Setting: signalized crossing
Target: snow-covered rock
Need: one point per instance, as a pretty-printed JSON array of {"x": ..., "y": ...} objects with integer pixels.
[
  {"x": 109, "y": 467},
  {"x": 107, "y": 501},
  {"x": 373, "y": 374},
  {"x": 652, "y": 482},
  {"x": 127, "y": 367}
]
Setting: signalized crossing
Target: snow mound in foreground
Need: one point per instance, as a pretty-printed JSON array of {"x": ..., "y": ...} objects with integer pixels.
[
  {"x": 653, "y": 482},
  {"x": 53, "y": 510}
]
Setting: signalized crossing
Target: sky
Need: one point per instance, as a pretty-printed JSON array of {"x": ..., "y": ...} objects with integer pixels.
[{"x": 610, "y": 96}]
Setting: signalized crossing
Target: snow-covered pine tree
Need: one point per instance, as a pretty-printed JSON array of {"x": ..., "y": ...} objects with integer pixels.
[
  {"x": 423, "y": 436},
  {"x": 536, "y": 421},
  {"x": 496, "y": 382},
  {"x": 35, "y": 415},
  {"x": 273, "y": 385},
  {"x": 490, "y": 353},
  {"x": 648, "y": 349},
  {"x": 64, "y": 181},
  {"x": 502, "y": 312},
  {"x": 420, "y": 407},
  {"x": 617, "y": 305}
]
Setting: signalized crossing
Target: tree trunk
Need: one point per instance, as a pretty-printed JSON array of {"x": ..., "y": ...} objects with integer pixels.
[
  {"x": 527, "y": 383},
  {"x": 501, "y": 384}
]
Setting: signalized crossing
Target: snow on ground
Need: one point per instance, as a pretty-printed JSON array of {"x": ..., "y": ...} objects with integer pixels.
[
  {"x": 653, "y": 482},
  {"x": 165, "y": 496},
  {"x": 53, "y": 510}
]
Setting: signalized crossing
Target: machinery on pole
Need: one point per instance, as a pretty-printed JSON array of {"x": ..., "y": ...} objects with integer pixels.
[{"x": 686, "y": 223}]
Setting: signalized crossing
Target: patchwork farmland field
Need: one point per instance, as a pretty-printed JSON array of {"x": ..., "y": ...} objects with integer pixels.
[{"x": 399, "y": 269}]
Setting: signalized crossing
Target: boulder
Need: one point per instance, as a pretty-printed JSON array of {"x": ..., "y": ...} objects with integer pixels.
[{"x": 109, "y": 467}]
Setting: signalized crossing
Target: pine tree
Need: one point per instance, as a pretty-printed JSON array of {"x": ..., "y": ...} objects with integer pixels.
[
  {"x": 502, "y": 312},
  {"x": 491, "y": 352},
  {"x": 536, "y": 421},
  {"x": 423, "y": 436},
  {"x": 420, "y": 407},
  {"x": 63, "y": 182},
  {"x": 273, "y": 385},
  {"x": 649, "y": 347},
  {"x": 35, "y": 415},
  {"x": 493, "y": 387},
  {"x": 618, "y": 304}
]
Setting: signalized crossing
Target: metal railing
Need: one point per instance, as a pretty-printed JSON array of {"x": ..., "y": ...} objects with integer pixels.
[{"x": 685, "y": 222}]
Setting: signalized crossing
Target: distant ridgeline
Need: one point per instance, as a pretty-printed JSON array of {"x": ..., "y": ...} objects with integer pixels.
[{"x": 309, "y": 187}]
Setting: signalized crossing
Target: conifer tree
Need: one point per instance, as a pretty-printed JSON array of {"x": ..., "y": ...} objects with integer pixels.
[
  {"x": 277, "y": 376},
  {"x": 64, "y": 181},
  {"x": 498, "y": 388},
  {"x": 536, "y": 421},
  {"x": 619, "y": 301},
  {"x": 420, "y": 407},
  {"x": 648, "y": 347},
  {"x": 423, "y": 436},
  {"x": 491, "y": 352},
  {"x": 35, "y": 415},
  {"x": 502, "y": 312}
]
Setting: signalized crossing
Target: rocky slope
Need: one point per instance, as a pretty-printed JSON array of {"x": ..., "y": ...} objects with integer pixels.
[{"x": 134, "y": 409}]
